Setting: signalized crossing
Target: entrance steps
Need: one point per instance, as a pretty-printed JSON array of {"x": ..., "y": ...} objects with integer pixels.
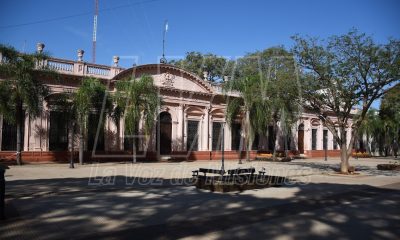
[{"x": 165, "y": 158}]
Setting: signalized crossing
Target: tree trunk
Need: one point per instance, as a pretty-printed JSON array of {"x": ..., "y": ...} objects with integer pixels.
[
  {"x": 344, "y": 159},
  {"x": 286, "y": 145},
  {"x": 119, "y": 144},
  {"x": 134, "y": 150},
  {"x": 274, "y": 127},
  {"x": 81, "y": 145},
  {"x": 19, "y": 133},
  {"x": 248, "y": 147},
  {"x": 71, "y": 145}
]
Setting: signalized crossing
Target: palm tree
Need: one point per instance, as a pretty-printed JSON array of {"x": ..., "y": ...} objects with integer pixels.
[
  {"x": 269, "y": 93},
  {"x": 370, "y": 128},
  {"x": 285, "y": 110},
  {"x": 251, "y": 102},
  {"x": 90, "y": 97},
  {"x": 64, "y": 102},
  {"x": 21, "y": 91},
  {"x": 137, "y": 99}
]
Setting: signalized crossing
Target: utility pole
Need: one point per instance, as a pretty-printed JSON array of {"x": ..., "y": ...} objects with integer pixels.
[
  {"x": 163, "y": 60},
  {"x": 96, "y": 13}
]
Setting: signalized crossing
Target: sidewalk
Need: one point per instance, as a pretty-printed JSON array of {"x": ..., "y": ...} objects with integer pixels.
[{"x": 54, "y": 201}]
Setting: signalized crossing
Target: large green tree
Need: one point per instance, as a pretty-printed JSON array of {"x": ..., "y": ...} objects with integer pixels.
[
  {"x": 370, "y": 128},
  {"x": 249, "y": 102},
  {"x": 198, "y": 63},
  {"x": 136, "y": 99},
  {"x": 390, "y": 116},
  {"x": 21, "y": 91},
  {"x": 343, "y": 73}
]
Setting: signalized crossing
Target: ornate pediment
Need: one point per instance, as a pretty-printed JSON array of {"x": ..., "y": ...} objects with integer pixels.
[{"x": 168, "y": 76}]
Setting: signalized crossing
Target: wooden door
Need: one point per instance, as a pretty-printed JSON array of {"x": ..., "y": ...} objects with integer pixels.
[
  {"x": 165, "y": 122},
  {"x": 300, "y": 141}
]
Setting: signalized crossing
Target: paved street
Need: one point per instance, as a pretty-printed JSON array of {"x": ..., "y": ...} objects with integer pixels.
[{"x": 156, "y": 201}]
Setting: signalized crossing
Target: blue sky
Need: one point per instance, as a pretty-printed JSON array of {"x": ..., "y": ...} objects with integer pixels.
[{"x": 226, "y": 28}]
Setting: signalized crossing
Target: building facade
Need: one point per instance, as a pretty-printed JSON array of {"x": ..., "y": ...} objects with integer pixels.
[{"x": 190, "y": 124}]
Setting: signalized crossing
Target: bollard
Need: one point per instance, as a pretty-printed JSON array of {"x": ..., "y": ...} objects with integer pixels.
[{"x": 2, "y": 190}]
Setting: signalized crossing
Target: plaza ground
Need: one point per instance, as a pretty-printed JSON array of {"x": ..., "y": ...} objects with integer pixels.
[{"x": 157, "y": 201}]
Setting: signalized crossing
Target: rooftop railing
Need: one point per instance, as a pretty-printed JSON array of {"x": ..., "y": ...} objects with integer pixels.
[{"x": 80, "y": 68}]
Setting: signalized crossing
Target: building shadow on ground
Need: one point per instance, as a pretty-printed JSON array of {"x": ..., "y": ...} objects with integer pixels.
[{"x": 150, "y": 208}]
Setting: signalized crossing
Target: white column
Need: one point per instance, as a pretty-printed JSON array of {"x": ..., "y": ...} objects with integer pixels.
[
  {"x": 46, "y": 126},
  {"x": 227, "y": 137},
  {"x": 180, "y": 128},
  {"x": 184, "y": 132},
  {"x": 36, "y": 135},
  {"x": 27, "y": 124},
  {"x": 121, "y": 133},
  {"x": 320, "y": 137},
  {"x": 307, "y": 134},
  {"x": 140, "y": 136},
  {"x": 294, "y": 144},
  {"x": 330, "y": 140},
  {"x": 278, "y": 145}
]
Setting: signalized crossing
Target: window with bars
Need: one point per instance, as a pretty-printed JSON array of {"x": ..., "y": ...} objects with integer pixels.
[
  {"x": 235, "y": 130},
  {"x": 128, "y": 139},
  {"x": 335, "y": 145},
  {"x": 94, "y": 121},
  {"x": 288, "y": 140},
  {"x": 192, "y": 136},
  {"x": 314, "y": 139},
  {"x": 216, "y": 135},
  {"x": 325, "y": 139},
  {"x": 58, "y": 133},
  {"x": 256, "y": 141},
  {"x": 9, "y": 136},
  {"x": 271, "y": 138}
]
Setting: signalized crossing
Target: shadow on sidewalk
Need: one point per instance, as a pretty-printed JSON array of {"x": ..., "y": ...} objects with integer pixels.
[{"x": 71, "y": 208}]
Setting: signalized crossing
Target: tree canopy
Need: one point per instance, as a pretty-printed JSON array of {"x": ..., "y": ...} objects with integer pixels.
[
  {"x": 267, "y": 82},
  {"x": 137, "y": 99},
  {"x": 198, "y": 63},
  {"x": 343, "y": 73},
  {"x": 91, "y": 96}
]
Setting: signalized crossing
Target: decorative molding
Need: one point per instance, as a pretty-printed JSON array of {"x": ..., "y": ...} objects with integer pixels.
[
  {"x": 315, "y": 122},
  {"x": 167, "y": 79}
]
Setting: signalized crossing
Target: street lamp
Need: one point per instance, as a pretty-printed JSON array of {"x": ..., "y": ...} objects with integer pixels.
[
  {"x": 223, "y": 149},
  {"x": 71, "y": 127}
]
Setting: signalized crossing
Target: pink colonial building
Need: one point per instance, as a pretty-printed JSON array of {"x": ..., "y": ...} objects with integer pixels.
[{"x": 189, "y": 124}]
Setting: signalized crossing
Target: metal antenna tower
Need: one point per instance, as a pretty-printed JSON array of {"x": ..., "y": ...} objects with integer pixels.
[
  {"x": 96, "y": 12},
  {"x": 163, "y": 59}
]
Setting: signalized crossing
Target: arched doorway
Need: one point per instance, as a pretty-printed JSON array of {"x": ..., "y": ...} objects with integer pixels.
[
  {"x": 300, "y": 138},
  {"x": 164, "y": 131}
]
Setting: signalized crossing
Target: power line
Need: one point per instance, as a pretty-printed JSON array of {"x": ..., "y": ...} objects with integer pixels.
[{"x": 74, "y": 15}]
